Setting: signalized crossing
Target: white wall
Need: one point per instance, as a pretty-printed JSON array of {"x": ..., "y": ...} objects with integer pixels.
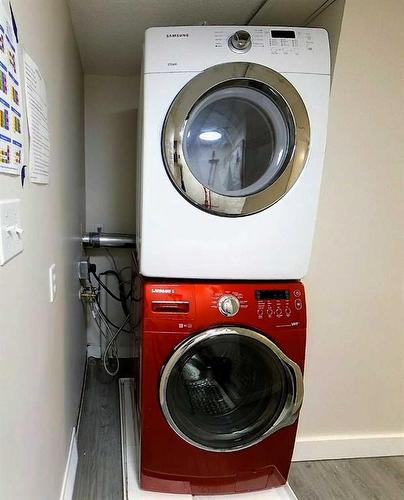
[
  {"x": 110, "y": 127},
  {"x": 42, "y": 345},
  {"x": 354, "y": 402}
]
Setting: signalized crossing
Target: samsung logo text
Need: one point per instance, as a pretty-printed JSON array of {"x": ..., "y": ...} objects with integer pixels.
[{"x": 177, "y": 35}]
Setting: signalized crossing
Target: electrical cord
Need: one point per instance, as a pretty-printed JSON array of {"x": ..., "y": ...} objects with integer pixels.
[
  {"x": 105, "y": 317},
  {"x": 108, "y": 347},
  {"x": 98, "y": 324},
  {"x": 105, "y": 287},
  {"x": 135, "y": 261},
  {"x": 101, "y": 318},
  {"x": 124, "y": 269},
  {"x": 123, "y": 296},
  {"x": 122, "y": 299},
  {"x": 97, "y": 321},
  {"x": 121, "y": 282},
  {"x": 111, "y": 339},
  {"x": 112, "y": 258}
]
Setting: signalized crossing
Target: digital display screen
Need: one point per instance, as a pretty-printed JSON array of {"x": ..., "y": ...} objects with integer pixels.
[
  {"x": 271, "y": 294},
  {"x": 283, "y": 34}
]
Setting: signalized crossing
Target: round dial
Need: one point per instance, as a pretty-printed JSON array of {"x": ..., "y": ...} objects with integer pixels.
[
  {"x": 228, "y": 305},
  {"x": 240, "y": 41}
]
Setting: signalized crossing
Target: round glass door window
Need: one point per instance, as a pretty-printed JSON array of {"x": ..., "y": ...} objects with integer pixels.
[
  {"x": 237, "y": 141},
  {"x": 235, "y": 145},
  {"x": 228, "y": 389}
]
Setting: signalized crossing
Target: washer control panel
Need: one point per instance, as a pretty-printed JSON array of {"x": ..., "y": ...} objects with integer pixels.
[
  {"x": 228, "y": 305},
  {"x": 279, "y": 303},
  {"x": 184, "y": 307}
]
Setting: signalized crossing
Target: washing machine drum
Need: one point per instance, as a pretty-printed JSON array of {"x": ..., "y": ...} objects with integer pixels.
[
  {"x": 226, "y": 389},
  {"x": 236, "y": 139}
]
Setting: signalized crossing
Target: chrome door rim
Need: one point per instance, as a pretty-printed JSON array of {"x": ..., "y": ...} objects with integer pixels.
[
  {"x": 190, "y": 95},
  {"x": 293, "y": 402}
]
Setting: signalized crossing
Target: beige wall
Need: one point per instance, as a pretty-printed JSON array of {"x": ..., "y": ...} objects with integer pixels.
[
  {"x": 110, "y": 121},
  {"x": 110, "y": 127},
  {"x": 354, "y": 403},
  {"x": 355, "y": 354},
  {"x": 330, "y": 19},
  {"x": 42, "y": 347}
]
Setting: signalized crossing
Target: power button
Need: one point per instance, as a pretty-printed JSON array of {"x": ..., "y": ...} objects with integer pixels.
[{"x": 298, "y": 304}]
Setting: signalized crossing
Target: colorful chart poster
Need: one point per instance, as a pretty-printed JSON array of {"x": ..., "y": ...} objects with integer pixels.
[{"x": 11, "y": 114}]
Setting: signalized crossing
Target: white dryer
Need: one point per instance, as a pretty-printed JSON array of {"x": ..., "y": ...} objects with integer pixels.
[{"x": 233, "y": 132}]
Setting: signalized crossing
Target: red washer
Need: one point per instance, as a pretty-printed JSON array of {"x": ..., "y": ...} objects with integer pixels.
[{"x": 219, "y": 385}]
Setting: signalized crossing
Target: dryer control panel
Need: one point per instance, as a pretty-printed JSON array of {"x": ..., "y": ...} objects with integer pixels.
[
  {"x": 282, "y": 41},
  {"x": 187, "y": 307},
  {"x": 195, "y": 48}
]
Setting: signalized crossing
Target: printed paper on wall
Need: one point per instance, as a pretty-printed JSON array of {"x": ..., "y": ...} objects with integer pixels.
[{"x": 37, "y": 115}]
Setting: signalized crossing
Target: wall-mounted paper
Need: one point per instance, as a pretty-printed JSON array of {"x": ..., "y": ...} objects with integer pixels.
[
  {"x": 37, "y": 115},
  {"x": 11, "y": 121}
]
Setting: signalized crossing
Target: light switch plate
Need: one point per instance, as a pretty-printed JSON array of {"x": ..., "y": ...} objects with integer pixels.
[
  {"x": 52, "y": 282},
  {"x": 11, "y": 242}
]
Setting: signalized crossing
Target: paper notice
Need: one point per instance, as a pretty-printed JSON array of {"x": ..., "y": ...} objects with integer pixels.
[{"x": 37, "y": 116}]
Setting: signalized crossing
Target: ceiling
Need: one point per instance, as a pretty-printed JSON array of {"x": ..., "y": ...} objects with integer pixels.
[{"x": 110, "y": 32}]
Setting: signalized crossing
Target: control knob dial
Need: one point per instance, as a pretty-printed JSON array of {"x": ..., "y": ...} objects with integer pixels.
[
  {"x": 228, "y": 305},
  {"x": 240, "y": 41}
]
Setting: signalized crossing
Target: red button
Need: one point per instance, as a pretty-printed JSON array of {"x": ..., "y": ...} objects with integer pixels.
[{"x": 298, "y": 304}]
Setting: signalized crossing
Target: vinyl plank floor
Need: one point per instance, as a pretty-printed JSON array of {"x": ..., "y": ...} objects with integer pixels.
[
  {"x": 350, "y": 479},
  {"x": 99, "y": 472}
]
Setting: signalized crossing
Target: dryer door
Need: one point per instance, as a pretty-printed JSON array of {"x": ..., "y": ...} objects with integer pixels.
[
  {"x": 226, "y": 389},
  {"x": 236, "y": 139}
]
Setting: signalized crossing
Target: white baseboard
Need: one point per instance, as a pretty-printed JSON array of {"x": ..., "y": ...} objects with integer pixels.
[
  {"x": 71, "y": 468},
  {"x": 348, "y": 446}
]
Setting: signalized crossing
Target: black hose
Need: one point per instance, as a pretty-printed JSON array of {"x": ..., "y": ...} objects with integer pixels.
[
  {"x": 101, "y": 311},
  {"x": 122, "y": 294},
  {"x": 106, "y": 288}
]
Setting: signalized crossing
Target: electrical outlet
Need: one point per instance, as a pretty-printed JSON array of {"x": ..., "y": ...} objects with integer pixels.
[
  {"x": 83, "y": 270},
  {"x": 52, "y": 282},
  {"x": 11, "y": 231}
]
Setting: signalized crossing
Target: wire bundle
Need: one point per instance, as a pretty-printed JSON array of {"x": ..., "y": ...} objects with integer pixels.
[{"x": 100, "y": 317}]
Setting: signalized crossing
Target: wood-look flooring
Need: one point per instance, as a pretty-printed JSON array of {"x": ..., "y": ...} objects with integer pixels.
[
  {"x": 99, "y": 473},
  {"x": 349, "y": 479},
  {"x": 99, "y": 470}
]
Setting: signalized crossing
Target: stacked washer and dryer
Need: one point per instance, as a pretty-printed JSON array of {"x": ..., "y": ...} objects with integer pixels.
[{"x": 232, "y": 136}]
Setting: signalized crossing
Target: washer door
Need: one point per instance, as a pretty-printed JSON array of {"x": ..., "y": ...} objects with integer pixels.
[
  {"x": 228, "y": 388},
  {"x": 236, "y": 138}
]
